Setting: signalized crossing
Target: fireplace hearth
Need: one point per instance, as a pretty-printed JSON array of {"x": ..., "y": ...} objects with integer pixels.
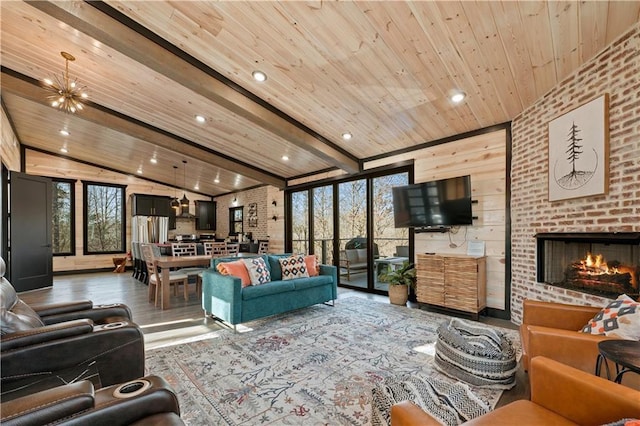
[{"x": 604, "y": 264}]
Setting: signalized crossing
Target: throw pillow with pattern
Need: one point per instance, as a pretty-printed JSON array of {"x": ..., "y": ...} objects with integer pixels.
[
  {"x": 620, "y": 318},
  {"x": 293, "y": 267},
  {"x": 258, "y": 270}
]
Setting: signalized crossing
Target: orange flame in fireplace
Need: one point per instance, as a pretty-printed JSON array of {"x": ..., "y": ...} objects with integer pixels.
[{"x": 596, "y": 264}]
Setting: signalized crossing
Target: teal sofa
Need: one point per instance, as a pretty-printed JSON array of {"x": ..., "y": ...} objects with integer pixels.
[{"x": 224, "y": 297}]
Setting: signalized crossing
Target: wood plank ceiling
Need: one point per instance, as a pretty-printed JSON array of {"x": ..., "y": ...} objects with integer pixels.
[{"x": 382, "y": 71}]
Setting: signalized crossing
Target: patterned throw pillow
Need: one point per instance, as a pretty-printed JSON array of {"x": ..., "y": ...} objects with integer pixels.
[
  {"x": 313, "y": 266},
  {"x": 293, "y": 267},
  {"x": 620, "y": 318},
  {"x": 237, "y": 269},
  {"x": 258, "y": 270}
]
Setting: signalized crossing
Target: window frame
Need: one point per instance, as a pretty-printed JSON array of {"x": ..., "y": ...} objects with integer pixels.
[
  {"x": 123, "y": 217},
  {"x": 72, "y": 218},
  {"x": 233, "y": 221}
]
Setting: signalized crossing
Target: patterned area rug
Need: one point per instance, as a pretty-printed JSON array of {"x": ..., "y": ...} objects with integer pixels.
[{"x": 314, "y": 366}]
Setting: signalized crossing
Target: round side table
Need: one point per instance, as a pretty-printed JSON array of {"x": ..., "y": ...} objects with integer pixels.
[{"x": 625, "y": 354}]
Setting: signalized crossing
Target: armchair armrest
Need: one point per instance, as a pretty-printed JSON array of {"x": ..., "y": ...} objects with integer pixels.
[
  {"x": 44, "y": 334},
  {"x": 100, "y": 314},
  {"x": 406, "y": 413},
  {"x": 48, "y": 406},
  {"x": 578, "y": 396},
  {"x": 62, "y": 307}
]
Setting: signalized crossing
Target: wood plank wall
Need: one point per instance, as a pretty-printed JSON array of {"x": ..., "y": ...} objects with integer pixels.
[
  {"x": 41, "y": 164},
  {"x": 9, "y": 145},
  {"x": 484, "y": 158}
]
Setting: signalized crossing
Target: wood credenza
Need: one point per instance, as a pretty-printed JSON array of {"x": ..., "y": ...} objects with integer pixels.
[{"x": 452, "y": 281}]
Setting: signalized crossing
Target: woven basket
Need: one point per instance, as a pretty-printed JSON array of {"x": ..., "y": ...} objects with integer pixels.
[{"x": 399, "y": 294}]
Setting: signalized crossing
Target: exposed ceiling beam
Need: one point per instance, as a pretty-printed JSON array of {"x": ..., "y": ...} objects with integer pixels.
[
  {"x": 107, "y": 118},
  {"x": 100, "y": 26}
]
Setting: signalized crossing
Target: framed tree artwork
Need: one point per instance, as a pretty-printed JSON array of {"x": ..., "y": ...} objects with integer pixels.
[{"x": 579, "y": 151}]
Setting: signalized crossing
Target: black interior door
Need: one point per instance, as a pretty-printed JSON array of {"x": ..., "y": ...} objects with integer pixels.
[{"x": 30, "y": 210}]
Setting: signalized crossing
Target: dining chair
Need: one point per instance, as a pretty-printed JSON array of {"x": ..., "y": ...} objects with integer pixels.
[
  {"x": 233, "y": 249},
  {"x": 188, "y": 249},
  {"x": 215, "y": 248},
  {"x": 155, "y": 277},
  {"x": 263, "y": 247}
]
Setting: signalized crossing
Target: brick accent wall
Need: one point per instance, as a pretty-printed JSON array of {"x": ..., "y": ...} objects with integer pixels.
[{"x": 616, "y": 71}]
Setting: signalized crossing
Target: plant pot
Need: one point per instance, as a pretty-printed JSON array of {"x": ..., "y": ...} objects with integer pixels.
[{"x": 398, "y": 294}]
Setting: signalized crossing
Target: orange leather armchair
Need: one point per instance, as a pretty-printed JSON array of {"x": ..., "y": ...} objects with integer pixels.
[
  {"x": 559, "y": 395},
  {"x": 552, "y": 330}
]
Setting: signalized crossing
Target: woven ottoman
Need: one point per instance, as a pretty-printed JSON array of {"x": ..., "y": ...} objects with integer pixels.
[{"x": 476, "y": 354}]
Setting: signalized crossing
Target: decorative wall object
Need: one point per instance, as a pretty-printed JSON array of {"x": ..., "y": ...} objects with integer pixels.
[
  {"x": 252, "y": 217},
  {"x": 579, "y": 151}
]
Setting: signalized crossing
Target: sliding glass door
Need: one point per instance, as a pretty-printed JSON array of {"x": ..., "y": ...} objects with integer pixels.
[{"x": 349, "y": 223}]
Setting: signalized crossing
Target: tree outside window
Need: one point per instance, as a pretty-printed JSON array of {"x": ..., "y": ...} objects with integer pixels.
[
  {"x": 63, "y": 218},
  {"x": 104, "y": 218}
]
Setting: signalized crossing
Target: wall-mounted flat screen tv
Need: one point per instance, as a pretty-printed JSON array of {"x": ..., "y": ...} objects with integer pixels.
[{"x": 439, "y": 203}]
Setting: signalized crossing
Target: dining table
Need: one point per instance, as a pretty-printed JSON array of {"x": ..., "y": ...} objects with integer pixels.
[{"x": 168, "y": 262}]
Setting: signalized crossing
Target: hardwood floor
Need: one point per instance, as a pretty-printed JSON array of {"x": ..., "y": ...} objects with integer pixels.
[{"x": 185, "y": 320}]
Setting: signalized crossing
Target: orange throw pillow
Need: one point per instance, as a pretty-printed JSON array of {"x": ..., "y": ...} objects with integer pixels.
[
  {"x": 313, "y": 267},
  {"x": 236, "y": 268}
]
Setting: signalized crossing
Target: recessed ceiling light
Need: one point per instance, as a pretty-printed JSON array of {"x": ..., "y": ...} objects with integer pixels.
[
  {"x": 64, "y": 132},
  {"x": 200, "y": 119},
  {"x": 139, "y": 171},
  {"x": 259, "y": 76},
  {"x": 196, "y": 187},
  {"x": 216, "y": 180},
  {"x": 458, "y": 97},
  {"x": 346, "y": 136},
  {"x": 285, "y": 158},
  {"x": 154, "y": 160},
  {"x": 64, "y": 150}
]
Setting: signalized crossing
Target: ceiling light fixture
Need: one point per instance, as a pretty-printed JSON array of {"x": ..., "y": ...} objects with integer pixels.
[
  {"x": 285, "y": 158},
  {"x": 346, "y": 136},
  {"x": 68, "y": 95},
  {"x": 154, "y": 160},
  {"x": 174, "y": 202},
  {"x": 216, "y": 180},
  {"x": 259, "y": 76},
  {"x": 200, "y": 119},
  {"x": 139, "y": 170},
  {"x": 64, "y": 132},
  {"x": 64, "y": 150},
  {"x": 458, "y": 97},
  {"x": 184, "y": 203}
]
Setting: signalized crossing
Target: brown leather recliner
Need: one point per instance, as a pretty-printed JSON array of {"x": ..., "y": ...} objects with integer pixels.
[
  {"x": 51, "y": 345},
  {"x": 145, "y": 401},
  {"x": 560, "y": 395}
]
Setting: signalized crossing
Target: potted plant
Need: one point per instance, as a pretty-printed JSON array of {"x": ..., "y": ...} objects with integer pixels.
[{"x": 399, "y": 280}]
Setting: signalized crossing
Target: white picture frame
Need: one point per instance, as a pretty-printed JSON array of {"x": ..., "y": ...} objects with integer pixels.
[{"x": 579, "y": 151}]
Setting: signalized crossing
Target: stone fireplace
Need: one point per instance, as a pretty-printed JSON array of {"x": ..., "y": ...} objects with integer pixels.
[{"x": 603, "y": 264}]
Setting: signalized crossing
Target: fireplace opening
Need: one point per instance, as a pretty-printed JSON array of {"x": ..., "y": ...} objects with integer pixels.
[{"x": 604, "y": 264}]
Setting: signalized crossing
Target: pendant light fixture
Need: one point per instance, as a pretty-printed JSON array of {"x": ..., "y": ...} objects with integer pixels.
[
  {"x": 67, "y": 95},
  {"x": 184, "y": 203},
  {"x": 174, "y": 202}
]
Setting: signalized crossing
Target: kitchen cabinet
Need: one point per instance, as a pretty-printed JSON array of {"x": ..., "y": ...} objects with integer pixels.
[
  {"x": 150, "y": 205},
  {"x": 205, "y": 215}
]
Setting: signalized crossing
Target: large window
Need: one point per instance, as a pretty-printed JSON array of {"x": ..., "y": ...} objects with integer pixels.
[
  {"x": 63, "y": 218},
  {"x": 104, "y": 218},
  {"x": 300, "y": 222}
]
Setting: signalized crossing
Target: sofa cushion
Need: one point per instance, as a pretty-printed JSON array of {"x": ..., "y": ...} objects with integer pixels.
[
  {"x": 319, "y": 280},
  {"x": 313, "y": 266},
  {"x": 620, "y": 318},
  {"x": 273, "y": 287},
  {"x": 293, "y": 267},
  {"x": 274, "y": 265},
  {"x": 236, "y": 268},
  {"x": 258, "y": 270}
]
